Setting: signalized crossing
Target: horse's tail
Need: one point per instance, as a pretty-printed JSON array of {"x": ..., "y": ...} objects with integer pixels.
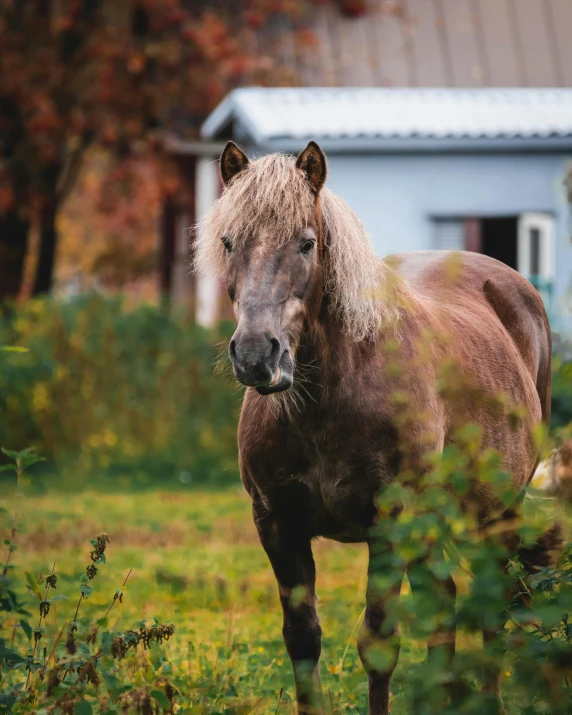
[
  {"x": 544, "y": 373},
  {"x": 524, "y": 317}
]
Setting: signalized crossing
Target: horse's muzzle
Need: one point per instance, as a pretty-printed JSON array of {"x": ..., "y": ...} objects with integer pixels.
[
  {"x": 283, "y": 378},
  {"x": 261, "y": 362}
]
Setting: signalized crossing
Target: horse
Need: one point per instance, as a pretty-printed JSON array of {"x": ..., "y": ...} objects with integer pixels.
[{"x": 319, "y": 436}]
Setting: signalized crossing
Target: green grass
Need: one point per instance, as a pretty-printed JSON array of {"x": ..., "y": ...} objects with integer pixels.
[{"x": 197, "y": 563}]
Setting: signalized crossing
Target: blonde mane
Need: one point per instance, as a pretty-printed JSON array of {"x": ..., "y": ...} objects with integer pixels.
[{"x": 271, "y": 197}]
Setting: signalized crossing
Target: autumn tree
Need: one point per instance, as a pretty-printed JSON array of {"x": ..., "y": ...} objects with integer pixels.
[{"x": 74, "y": 73}]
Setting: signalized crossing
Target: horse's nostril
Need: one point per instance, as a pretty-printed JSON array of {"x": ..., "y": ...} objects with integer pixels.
[
  {"x": 275, "y": 349},
  {"x": 232, "y": 349}
]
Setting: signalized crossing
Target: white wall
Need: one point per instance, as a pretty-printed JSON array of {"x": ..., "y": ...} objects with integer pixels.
[
  {"x": 397, "y": 195},
  {"x": 207, "y": 191}
]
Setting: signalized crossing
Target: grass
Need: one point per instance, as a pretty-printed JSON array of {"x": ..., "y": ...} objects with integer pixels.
[{"x": 197, "y": 563}]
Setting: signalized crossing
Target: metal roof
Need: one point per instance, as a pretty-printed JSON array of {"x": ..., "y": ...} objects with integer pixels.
[
  {"x": 401, "y": 43},
  {"x": 265, "y": 116}
]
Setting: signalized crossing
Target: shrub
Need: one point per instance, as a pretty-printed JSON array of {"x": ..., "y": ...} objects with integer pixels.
[
  {"x": 82, "y": 665},
  {"x": 530, "y": 639},
  {"x": 561, "y": 384},
  {"x": 102, "y": 388}
]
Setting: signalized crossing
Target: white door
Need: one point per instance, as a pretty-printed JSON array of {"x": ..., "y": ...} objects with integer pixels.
[{"x": 535, "y": 256}]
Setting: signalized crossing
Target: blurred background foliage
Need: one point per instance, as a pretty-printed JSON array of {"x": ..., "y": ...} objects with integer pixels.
[
  {"x": 105, "y": 388},
  {"x": 561, "y": 383},
  {"x": 79, "y": 78}
]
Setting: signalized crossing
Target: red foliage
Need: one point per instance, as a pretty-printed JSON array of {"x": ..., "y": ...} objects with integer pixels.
[
  {"x": 84, "y": 72},
  {"x": 307, "y": 37},
  {"x": 353, "y": 8},
  {"x": 75, "y": 73},
  {"x": 254, "y": 19}
]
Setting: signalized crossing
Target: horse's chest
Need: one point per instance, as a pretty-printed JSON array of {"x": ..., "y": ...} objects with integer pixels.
[
  {"x": 324, "y": 469},
  {"x": 332, "y": 483},
  {"x": 340, "y": 498}
]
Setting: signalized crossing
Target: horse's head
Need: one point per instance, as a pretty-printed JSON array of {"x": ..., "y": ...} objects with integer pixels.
[{"x": 273, "y": 270}]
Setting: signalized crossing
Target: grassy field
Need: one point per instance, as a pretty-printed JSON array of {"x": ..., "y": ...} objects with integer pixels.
[{"x": 195, "y": 561}]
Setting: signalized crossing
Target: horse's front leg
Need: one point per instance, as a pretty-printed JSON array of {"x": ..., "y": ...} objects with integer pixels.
[
  {"x": 290, "y": 552},
  {"x": 378, "y": 641}
]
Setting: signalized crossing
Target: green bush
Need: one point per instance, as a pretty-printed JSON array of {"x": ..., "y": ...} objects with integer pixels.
[
  {"x": 100, "y": 388},
  {"x": 561, "y": 384},
  {"x": 133, "y": 393},
  {"x": 525, "y": 607},
  {"x": 72, "y": 668}
]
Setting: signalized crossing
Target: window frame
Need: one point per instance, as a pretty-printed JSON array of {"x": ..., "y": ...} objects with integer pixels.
[{"x": 544, "y": 225}]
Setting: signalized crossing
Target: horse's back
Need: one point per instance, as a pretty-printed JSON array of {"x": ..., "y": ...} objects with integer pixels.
[{"x": 489, "y": 292}]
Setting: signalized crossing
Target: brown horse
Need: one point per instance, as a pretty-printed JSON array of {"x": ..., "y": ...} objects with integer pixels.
[{"x": 320, "y": 434}]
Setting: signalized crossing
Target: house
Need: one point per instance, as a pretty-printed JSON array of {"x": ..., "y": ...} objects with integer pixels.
[
  {"x": 481, "y": 170},
  {"x": 422, "y": 138}
]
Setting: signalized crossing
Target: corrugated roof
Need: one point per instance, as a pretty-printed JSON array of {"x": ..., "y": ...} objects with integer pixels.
[
  {"x": 268, "y": 114},
  {"x": 405, "y": 43},
  {"x": 396, "y": 43}
]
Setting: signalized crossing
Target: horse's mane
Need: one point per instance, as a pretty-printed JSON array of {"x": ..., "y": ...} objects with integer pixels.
[{"x": 272, "y": 198}]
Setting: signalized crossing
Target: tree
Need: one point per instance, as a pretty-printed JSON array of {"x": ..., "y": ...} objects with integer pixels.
[
  {"x": 108, "y": 226},
  {"x": 78, "y": 72}
]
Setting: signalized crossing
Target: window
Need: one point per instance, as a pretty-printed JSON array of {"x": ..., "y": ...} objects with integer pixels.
[
  {"x": 536, "y": 246},
  {"x": 495, "y": 237},
  {"x": 536, "y": 252},
  {"x": 449, "y": 235},
  {"x": 525, "y": 243}
]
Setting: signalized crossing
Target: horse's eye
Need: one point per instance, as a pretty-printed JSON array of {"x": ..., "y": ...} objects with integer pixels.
[
  {"x": 307, "y": 247},
  {"x": 226, "y": 243}
]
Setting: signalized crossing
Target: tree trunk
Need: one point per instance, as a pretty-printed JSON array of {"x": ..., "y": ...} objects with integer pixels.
[
  {"x": 47, "y": 251},
  {"x": 13, "y": 246},
  {"x": 167, "y": 250}
]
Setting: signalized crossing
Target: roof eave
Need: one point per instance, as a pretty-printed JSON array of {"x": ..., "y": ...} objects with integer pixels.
[
  {"x": 398, "y": 145},
  {"x": 382, "y": 145},
  {"x": 218, "y": 118},
  {"x": 195, "y": 147},
  {"x": 231, "y": 110}
]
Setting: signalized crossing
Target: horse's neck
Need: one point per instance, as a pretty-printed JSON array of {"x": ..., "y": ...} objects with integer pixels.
[{"x": 325, "y": 359}]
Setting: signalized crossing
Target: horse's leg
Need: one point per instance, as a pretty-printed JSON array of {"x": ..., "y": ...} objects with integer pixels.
[
  {"x": 378, "y": 640},
  {"x": 290, "y": 554}
]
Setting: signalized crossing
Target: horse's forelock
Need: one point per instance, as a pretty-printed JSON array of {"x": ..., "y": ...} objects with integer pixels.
[{"x": 272, "y": 198}]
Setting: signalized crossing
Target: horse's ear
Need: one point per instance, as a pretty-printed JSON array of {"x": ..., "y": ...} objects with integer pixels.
[
  {"x": 232, "y": 161},
  {"x": 312, "y": 161}
]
